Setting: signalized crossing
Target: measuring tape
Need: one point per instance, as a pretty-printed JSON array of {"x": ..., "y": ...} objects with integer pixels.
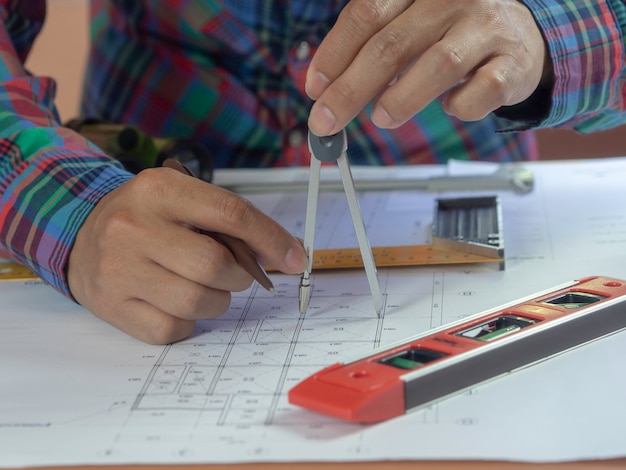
[
  {"x": 428, "y": 367},
  {"x": 11, "y": 271}
]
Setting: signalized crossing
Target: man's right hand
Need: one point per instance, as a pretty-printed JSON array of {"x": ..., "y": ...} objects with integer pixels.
[{"x": 140, "y": 264}]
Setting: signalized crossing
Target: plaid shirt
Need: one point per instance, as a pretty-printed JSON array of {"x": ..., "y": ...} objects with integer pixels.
[{"x": 230, "y": 74}]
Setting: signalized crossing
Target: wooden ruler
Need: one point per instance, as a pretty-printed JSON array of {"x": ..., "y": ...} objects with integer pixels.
[
  {"x": 389, "y": 256},
  {"x": 336, "y": 258},
  {"x": 11, "y": 271}
]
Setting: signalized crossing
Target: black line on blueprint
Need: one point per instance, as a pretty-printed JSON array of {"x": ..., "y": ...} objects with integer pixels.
[
  {"x": 233, "y": 340},
  {"x": 436, "y": 304},
  {"x": 271, "y": 413},
  {"x": 148, "y": 381},
  {"x": 379, "y": 323}
]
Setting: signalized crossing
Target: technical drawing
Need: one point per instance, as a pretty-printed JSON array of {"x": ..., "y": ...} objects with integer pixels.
[
  {"x": 220, "y": 396},
  {"x": 251, "y": 356}
]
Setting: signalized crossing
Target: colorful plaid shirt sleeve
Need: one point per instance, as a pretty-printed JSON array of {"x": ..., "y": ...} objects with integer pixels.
[
  {"x": 50, "y": 177},
  {"x": 231, "y": 74},
  {"x": 586, "y": 43}
]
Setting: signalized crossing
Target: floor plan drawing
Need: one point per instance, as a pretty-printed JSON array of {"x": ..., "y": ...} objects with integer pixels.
[{"x": 221, "y": 394}]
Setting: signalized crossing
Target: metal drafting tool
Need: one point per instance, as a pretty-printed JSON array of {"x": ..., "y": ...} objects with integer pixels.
[
  {"x": 330, "y": 149},
  {"x": 470, "y": 225},
  {"x": 12, "y": 271},
  {"x": 425, "y": 368},
  {"x": 465, "y": 230},
  {"x": 508, "y": 177}
]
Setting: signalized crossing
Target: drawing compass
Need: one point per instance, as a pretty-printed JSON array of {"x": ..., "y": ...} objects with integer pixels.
[{"x": 330, "y": 149}]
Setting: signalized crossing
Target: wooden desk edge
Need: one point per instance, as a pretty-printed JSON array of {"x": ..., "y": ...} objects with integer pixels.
[{"x": 385, "y": 465}]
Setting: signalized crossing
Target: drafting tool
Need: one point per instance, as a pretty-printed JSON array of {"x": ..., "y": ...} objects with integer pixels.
[
  {"x": 465, "y": 230},
  {"x": 12, "y": 271},
  {"x": 242, "y": 253},
  {"x": 330, "y": 149},
  {"x": 421, "y": 369},
  {"x": 470, "y": 225},
  {"x": 508, "y": 177},
  {"x": 396, "y": 256}
]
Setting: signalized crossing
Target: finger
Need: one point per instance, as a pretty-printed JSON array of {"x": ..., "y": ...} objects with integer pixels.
[
  {"x": 196, "y": 203},
  {"x": 450, "y": 59},
  {"x": 490, "y": 87},
  {"x": 180, "y": 297},
  {"x": 382, "y": 58},
  {"x": 147, "y": 323},
  {"x": 356, "y": 24},
  {"x": 198, "y": 258}
]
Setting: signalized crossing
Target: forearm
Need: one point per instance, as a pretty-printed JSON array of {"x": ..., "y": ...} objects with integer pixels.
[{"x": 50, "y": 177}]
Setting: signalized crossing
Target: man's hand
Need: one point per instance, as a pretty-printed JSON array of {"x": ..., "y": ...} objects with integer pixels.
[
  {"x": 482, "y": 54},
  {"x": 139, "y": 264}
]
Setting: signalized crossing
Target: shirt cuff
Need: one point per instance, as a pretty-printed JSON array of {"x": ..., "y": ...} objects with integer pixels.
[
  {"x": 46, "y": 204},
  {"x": 585, "y": 43}
]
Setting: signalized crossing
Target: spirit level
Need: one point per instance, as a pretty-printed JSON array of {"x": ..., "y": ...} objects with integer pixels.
[{"x": 427, "y": 367}]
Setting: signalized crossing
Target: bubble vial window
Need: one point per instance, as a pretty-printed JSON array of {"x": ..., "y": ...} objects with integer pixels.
[
  {"x": 412, "y": 358},
  {"x": 575, "y": 300},
  {"x": 497, "y": 328}
]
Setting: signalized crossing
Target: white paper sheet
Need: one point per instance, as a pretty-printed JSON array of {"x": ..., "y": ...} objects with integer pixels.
[{"x": 73, "y": 390}]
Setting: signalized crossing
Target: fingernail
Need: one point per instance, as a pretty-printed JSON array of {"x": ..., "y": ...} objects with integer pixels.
[
  {"x": 381, "y": 118},
  {"x": 295, "y": 259},
  {"x": 322, "y": 121},
  {"x": 316, "y": 83}
]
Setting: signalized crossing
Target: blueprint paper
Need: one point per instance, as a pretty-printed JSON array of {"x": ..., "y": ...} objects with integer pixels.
[{"x": 74, "y": 390}]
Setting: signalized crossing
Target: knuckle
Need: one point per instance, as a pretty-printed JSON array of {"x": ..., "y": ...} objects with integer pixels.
[
  {"x": 235, "y": 211},
  {"x": 198, "y": 302},
  {"x": 498, "y": 84},
  {"x": 370, "y": 13},
  {"x": 219, "y": 304},
  {"x": 390, "y": 47},
  {"x": 211, "y": 261},
  {"x": 150, "y": 182},
  {"x": 189, "y": 302},
  {"x": 212, "y": 264},
  {"x": 243, "y": 284},
  {"x": 167, "y": 330},
  {"x": 345, "y": 91},
  {"x": 492, "y": 18},
  {"x": 118, "y": 225},
  {"x": 448, "y": 58}
]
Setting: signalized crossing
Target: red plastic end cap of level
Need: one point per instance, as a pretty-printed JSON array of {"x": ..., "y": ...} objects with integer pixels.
[{"x": 317, "y": 393}]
